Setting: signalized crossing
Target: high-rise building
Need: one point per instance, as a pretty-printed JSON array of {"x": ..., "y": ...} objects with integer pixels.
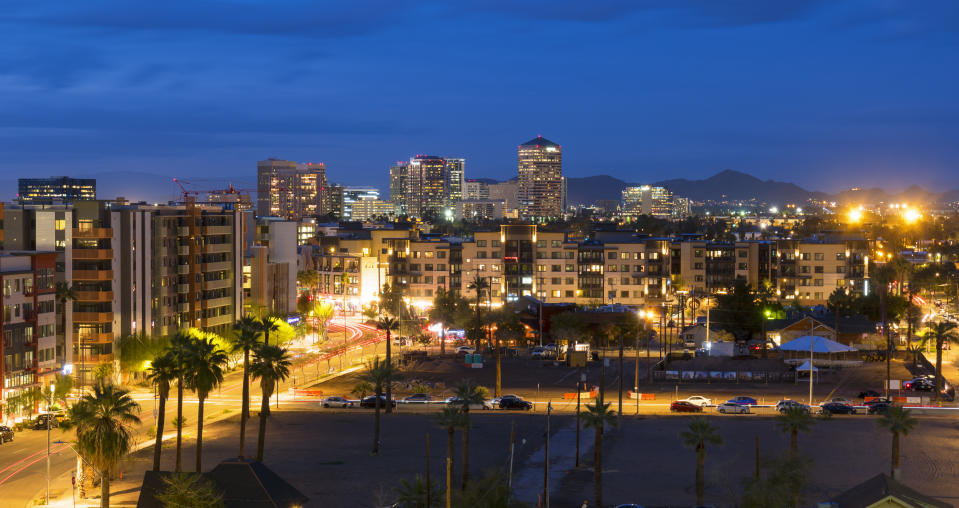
[
  {"x": 456, "y": 176},
  {"x": 507, "y": 192},
  {"x": 56, "y": 189},
  {"x": 352, "y": 195},
  {"x": 475, "y": 189},
  {"x": 540, "y": 173},
  {"x": 399, "y": 174},
  {"x": 650, "y": 200},
  {"x": 291, "y": 190},
  {"x": 426, "y": 186}
]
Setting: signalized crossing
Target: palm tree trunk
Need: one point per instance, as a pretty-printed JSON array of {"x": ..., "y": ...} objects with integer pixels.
[
  {"x": 466, "y": 448},
  {"x": 621, "y": 376},
  {"x": 161, "y": 419},
  {"x": 885, "y": 331},
  {"x": 389, "y": 377},
  {"x": 700, "y": 472},
  {"x": 895, "y": 456},
  {"x": 442, "y": 340},
  {"x": 598, "y": 467},
  {"x": 264, "y": 412},
  {"x": 450, "y": 432},
  {"x": 499, "y": 369},
  {"x": 245, "y": 403},
  {"x": 794, "y": 444},
  {"x": 376, "y": 422},
  {"x": 199, "y": 432},
  {"x": 939, "y": 340},
  {"x": 179, "y": 424},
  {"x": 105, "y": 490}
]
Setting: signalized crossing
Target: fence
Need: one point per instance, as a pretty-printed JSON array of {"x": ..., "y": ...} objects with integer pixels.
[{"x": 724, "y": 376}]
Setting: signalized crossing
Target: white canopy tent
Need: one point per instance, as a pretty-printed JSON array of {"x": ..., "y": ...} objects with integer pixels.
[{"x": 816, "y": 344}]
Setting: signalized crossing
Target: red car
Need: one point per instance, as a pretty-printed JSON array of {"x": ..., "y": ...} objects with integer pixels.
[{"x": 681, "y": 406}]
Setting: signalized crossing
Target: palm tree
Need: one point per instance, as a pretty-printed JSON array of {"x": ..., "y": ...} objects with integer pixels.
[
  {"x": 451, "y": 418},
  {"x": 271, "y": 365},
  {"x": 104, "y": 420},
  {"x": 267, "y": 325},
  {"x": 840, "y": 302},
  {"x": 700, "y": 434},
  {"x": 377, "y": 374},
  {"x": 65, "y": 292},
  {"x": 444, "y": 308},
  {"x": 205, "y": 364},
  {"x": 245, "y": 341},
  {"x": 388, "y": 325},
  {"x": 162, "y": 372},
  {"x": 597, "y": 416},
  {"x": 466, "y": 394},
  {"x": 179, "y": 346},
  {"x": 883, "y": 275},
  {"x": 793, "y": 420},
  {"x": 479, "y": 285},
  {"x": 899, "y": 421},
  {"x": 942, "y": 332}
]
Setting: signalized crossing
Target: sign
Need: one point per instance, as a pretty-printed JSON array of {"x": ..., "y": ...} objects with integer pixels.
[{"x": 895, "y": 384}]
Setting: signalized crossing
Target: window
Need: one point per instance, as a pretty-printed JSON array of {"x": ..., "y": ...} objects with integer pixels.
[
  {"x": 556, "y": 244},
  {"x": 428, "y": 279},
  {"x": 817, "y": 282},
  {"x": 818, "y": 256},
  {"x": 840, "y": 269},
  {"x": 495, "y": 254},
  {"x": 441, "y": 255},
  {"x": 569, "y": 293},
  {"x": 541, "y": 244},
  {"x": 840, "y": 256},
  {"x": 637, "y": 268},
  {"x": 428, "y": 267},
  {"x": 624, "y": 255},
  {"x": 556, "y": 255},
  {"x": 624, "y": 281},
  {"x": 481, "y": 254},
  {"x": 570, "y": 255},
  {"x": 569, "y": 280},
  {"x": 61, "y": 224},
  {"x": 570, "y": 268},
  {"x": 818, "y": 269},
  {"x": 557, "y": 268},
  {"x": 743, "y": 253},
  {"x": 611, "y": 255},
  {"x": 556, "y": 280},
  {"x": 613, "y": 268},
  {"x": 495, "y": 243},
  {"x": 624, "y": 294},
  {"x": 429, "y": 254},
  {"x": 805, "y": 256},
  {"x": 698, "y": 253},
  {"x": 742, "y": 266},
  {"x": 557, "y": 294},
  {"x": 697, "y": 266},
  {"x": 803, "y": 269},
  {"x": 481, "y": 243},
  {"x": 540, "y": 268}
]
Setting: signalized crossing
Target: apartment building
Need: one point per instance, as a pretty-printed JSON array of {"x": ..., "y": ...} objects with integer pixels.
[
  {"x": 28, "y": 348},
  {"x": 270, "y": 265}
]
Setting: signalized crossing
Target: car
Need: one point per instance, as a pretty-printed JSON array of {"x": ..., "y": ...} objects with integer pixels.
[
  {"x": 842, "y": 400},
  {"x": 629, "y": 506},
  {"x": 698, "y": 400},
  {"x": 836, "y": 408},
  {"x": 868, "y": 393},
  {"x": 538, "y": 352},
  {"x": 878, "y": 408},
  {"x": 920, "y": 384},
  {"x": 6, "y": 434},
  {"x": 336, "y": 402},
  {"x": 418, "y": 398},
  {"x": 732, "y": 407},
  {"x": 682, "y": 406},
  {"x": 877, "y": 400},
  {"x": 466, "y": 350},
  {"x": 370, "y": 402},
  {"x": 514, "y": 402},
  {"x": 786, "y": 404},
  {"x": 484, "y": 405},
  {"x": 742, "y": 400},
  {"x": 41, "y": 422}
]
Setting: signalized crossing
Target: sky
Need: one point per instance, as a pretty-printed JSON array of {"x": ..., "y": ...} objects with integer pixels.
[{"x": 827, "y": 94}]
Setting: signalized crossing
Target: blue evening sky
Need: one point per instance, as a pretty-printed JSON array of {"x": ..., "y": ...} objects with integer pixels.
[{"x": 828, "y": 94}]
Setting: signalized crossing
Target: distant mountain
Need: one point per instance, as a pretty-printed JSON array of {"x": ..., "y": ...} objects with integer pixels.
[
  {"x": 590, "y": 189},
  {"x": 736, "y": 185}
]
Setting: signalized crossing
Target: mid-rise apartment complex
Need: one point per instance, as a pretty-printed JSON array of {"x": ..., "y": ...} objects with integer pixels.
[
  {"x": 540, "y": 171},
  {"x": 56, "y": 189}
]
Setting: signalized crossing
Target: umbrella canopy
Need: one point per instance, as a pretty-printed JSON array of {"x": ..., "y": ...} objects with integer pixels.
[
  {"x": 805, "y": 367},
  {"x": 819, "y": 345}
]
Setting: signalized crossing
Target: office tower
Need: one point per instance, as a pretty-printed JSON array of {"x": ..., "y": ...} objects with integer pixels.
[
  {"x": 648, "y": 200},
  {"x": 507, "y": 192},
  {"x": 370, "y": 209},
  {"x": 540, "y": 172},
  {"x": 455, "y": 175},
  {"x": 426, "y": 186},
  {"x": 474, "y": 189},
  {"x": 352, "y": 195},
  {"x": 399, "y": 174},
  {"x": 269, "y": 266},
  {"x": 290, "y": 190},
  {"x": 56, "y": 189}
]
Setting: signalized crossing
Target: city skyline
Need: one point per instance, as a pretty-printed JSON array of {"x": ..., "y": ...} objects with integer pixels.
[{"x": 859, "y": 102}]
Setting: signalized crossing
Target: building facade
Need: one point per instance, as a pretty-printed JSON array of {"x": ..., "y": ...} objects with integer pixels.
[
  {"x": 291, "y": 190},
  {"x": 540, "y": 190},
  {"x": 57, "y": 189}
]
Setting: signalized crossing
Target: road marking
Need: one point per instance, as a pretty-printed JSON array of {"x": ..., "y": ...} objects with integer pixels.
[{"x": 52, "y": 451}]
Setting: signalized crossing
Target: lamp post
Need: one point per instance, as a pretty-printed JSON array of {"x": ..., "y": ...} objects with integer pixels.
[{"x": 49, "y": 417}]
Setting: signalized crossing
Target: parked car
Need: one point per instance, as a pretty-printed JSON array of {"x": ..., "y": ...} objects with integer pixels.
[
  {"x": 698, "y": 400},
  {"x": 370, "y": 402},
  {"x": 842, "y": 400},
  {"x": 484, "y": 405},
  {"x": 920, "y": 384},
  {"x": 836, "y": 408},
  {"x": 732, "y": 407},
  {"x": 742, "y": 400},
  {"x": 538, "y": 352},
  {"x": 336, "y": 402},
  {"x": 877, "y": 400},
  {"x": 682, "y": 406},
  {"x": 868, "y": 393},
  {"x": 6, "y": 434},
  {"x": 878, "y": 408},
  {"x": 514, "y": 402},
  {"x": 466, "y": 350},
  {"x": 41, "y": 422},
  {"x": 784, "y": 405},
  {"x": 418, "y": 398}
]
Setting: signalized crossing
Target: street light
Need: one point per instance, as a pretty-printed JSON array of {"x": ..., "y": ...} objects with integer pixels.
[{"x": 49, "y": 417}]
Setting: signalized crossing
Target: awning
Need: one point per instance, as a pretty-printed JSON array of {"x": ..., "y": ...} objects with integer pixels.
[{"x": 819, "y": 345}]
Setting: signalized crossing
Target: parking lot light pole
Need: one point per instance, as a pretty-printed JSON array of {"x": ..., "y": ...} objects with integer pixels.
[{"x": 49, "y": 403}]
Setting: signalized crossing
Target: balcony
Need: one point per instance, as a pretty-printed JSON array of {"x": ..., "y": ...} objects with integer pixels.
[
  {"x": 217, "y": 230},
  {"x": 183, "y": 269},
  {"x": 92, "y": 317},
  {"x": 93, "y": 338},
  {"x": 94, "y": 296},
  {"x": 216, "y": 248},
  {"x": 183, "y": 250},
  {"x": 218, "y": 302},
  {"x": 218, "y": 284},
  {"x": 102, "y": 254},
  {"x": 93, "y": 275},
  {"x": 215, "y": 267},
  {"x": 101, "y": 233}
]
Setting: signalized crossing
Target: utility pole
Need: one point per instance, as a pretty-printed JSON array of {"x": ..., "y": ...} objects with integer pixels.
[
  {"x": 642, "y": 330},
  {"x": 579, "y": 391},
  {"x": 509, "y": 474},
  {"x": 428, "y": 486},
  {"x": 549, "y": 409},
  {"x": 49, "y": 417}
]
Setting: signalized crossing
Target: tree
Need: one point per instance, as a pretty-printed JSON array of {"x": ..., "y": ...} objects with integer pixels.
[
  {"x": 245, "y": 341},
  {"x": 136, "y": 352},
  {"x": 508, "y": 329},
  {"x": 377, "y": 374},
  {"x": 361, "y": 389},
  {"x": 104, "y": 420},
  {"x": 466, "y": 394},
  {"x": 479, "y": 285},
  {"x": 189, "y": 490},
  {"x": 451, "y": 418},
  {"x": 596, "y": 417},
  {"x": 567, "y": 326},
  {"x": 883, "y": 275},
  {"x": 64, "y": 293},
  {"x": 942, "y": 332},
  {"x": 899, "y": 422},
  {"x": 266, "y": 325},
  {"x": 413, "y": 493},
  {"x": 179, "y": 346},
  {"x": 205, "y": 365},
  {"x": 840, "y": 303},
  {"x": 162, "y": 371},
  {"x": 793, "y": 420},
  {"x": 445, "y": 305},
  {"x": 782, "y": 477},
  {"x": 64, "y": 385},
  {"x": 700, "y": 434},
  {"x": 271, "y": 365},
  {"x": 388, "y": 325}
]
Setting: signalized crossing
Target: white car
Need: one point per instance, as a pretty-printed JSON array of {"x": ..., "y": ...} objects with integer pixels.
[
  {"x": 484, "y": 405},
  {"x": 729, "y": 407},
  {"x": 699, "y": 401},
  {"x": 336, "y": 402},
  {"x": 466, "y": 350}
]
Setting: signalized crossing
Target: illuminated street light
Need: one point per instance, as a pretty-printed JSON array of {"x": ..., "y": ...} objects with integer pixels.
[
  {"x": 911, "y": 215},
  {"x": 854, "y": 215}
]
